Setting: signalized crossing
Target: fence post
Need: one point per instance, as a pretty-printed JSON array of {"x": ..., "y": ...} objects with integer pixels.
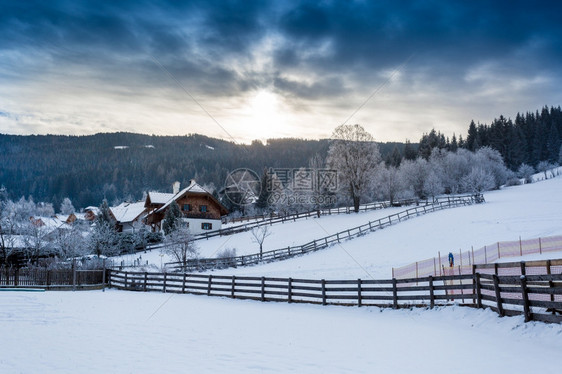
[
  {"x": 431, "y": 295},
  {"x": 498, "y": 294},
  {"x": 109, "y": 277},
  {"x": 183, "y": 283},
  {"x": 74, "y": 275},
  {"x": 359, "y": 299},
  {"x": 472, "y": 249},
  {"x": 394, "y": 294},
  {"x": 434, "y": 267},
  {"x": 439, "y": 254},
  {"x": 460, "y": 282},
  {"x": 164, "y": 286},
  {"x": 323, "y": 292},
  {"x": 233, "y": 288},
  {"x": 525, "y": 296},
  {"x": 262, "y": 288},
  {"x": 48, "y": 278},
  {"x": 485, "y": 255},
  {"x": 540, "y": 246},
  {"x": 290, "y": 290},
  {"x": 550, "y": 283},
  {"x": 520, "y": 247},
  {"x": 499, "y": 253},
  {"x": 478, "y": 290},
  {"x": 209, "y": 285},
  {"x": 522, "y": 268},
  {"x": 17, "y": 277},
  {"x": 126, "y": 275},
  {"x": 103, "y": 276},
  {"x": 145, "y": 280}
]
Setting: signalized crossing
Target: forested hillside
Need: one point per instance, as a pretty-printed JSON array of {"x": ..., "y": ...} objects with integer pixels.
[{"x": 120, "y": 166}]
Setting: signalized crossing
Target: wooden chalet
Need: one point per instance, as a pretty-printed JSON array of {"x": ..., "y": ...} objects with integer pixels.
[{"x": 201, "y": 211}]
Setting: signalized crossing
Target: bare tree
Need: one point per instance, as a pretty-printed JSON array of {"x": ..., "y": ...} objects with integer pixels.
[
  {"x": 180, "y": 245},
  {"x": 354, "y": 154},
  {"x": 259, "y": 234}
]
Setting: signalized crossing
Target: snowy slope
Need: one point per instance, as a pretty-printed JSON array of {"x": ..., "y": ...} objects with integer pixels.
[{"x": 529, "y": 211}]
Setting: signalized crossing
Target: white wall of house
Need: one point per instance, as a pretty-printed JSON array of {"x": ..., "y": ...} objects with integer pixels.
[{"x": 196, "y": 225}]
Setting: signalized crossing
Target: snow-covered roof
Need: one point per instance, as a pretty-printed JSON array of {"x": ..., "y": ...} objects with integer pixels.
[
  {"x": 193, "y": 187},
  {"x": 127, "y": 212},
  {"x": 160, "y": 197},
  {"x": 93, "y": 209}
]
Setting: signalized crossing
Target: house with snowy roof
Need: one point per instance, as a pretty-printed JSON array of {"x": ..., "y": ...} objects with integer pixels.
[
  {"x": 201, "y": 211},
  {"x": 128, "y": 215}
]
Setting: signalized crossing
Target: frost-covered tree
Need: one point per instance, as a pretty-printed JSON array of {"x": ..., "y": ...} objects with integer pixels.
[
  {"x": 478, "y": 180},
  {"x": 491, "y": 161},
  {"x": 544, "y": 167},
  {"x": 70, "y": 241},
  {"x": 7, "y": 230},
  {"x": 103, "y": 239},
  {"x": 66, "y": 206},
  {"x": 35, "y": 243},
  {"x": 433, "y": 185},
  {"x": 413, "y": 174},
  {"x": 172, "y": 218},
  {"x": 388, "y": 183},
  {"x": 526, "y": 172},
  {"x": 354, "y": 154},
  {"x": 44, "y": 209},
  {"x": 180, "y": 245}
]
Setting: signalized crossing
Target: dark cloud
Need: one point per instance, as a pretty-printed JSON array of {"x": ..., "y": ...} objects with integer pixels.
[{"x": 216, "y": 48}]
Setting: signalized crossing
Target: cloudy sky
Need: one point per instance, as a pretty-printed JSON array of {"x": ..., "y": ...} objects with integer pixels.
[{"x": 242, "y": 70}]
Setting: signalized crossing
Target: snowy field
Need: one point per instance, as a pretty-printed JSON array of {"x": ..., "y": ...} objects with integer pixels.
[{"x": 128, "y": 332}]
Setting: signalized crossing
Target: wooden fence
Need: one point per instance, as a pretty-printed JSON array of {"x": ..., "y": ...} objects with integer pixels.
[
  {"x": 270, "y": 220},
  {"x": 51, "y": 279},
  {"x": 317, "y": 244},
  {"x": 507, "y": 295}
]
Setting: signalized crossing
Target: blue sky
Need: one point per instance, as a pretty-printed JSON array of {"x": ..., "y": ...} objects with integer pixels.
[{"x": 265, "y": 69}]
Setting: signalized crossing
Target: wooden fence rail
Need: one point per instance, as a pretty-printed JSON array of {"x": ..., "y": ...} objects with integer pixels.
[
  {"x": 317, "y": 244},
  {"x": 507, "y": 295},
  {"x": 269, "y": 220}
]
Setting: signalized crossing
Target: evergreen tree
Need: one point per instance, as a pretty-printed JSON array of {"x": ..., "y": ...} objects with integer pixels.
[
  {"x": 471, "y": 138},
  {"x": 172, "y": 218},
  {"x": 263, "y": 198},
  {"x": 410, "y": 152}
]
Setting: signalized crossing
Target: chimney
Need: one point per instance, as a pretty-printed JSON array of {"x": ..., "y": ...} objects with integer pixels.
[{"x": 176, "y": 187}]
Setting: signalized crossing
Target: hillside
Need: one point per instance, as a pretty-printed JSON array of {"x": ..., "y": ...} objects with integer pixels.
[
  {"x": 527, "y": 211},
  {"x": 123, "y": 165}
]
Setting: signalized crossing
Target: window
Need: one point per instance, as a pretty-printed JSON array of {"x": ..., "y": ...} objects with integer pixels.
[
  {"x": 203, "y": 208},
  {"x": 187, "y": 225},
  {"x": 186, "y": 207},
  {"x": 206, "y": 226}
]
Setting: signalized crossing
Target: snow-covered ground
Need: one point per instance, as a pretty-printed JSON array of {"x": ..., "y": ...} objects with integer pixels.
[
  {"x": 128, "y": 332},
  {"x": 527, "y": 211}
]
